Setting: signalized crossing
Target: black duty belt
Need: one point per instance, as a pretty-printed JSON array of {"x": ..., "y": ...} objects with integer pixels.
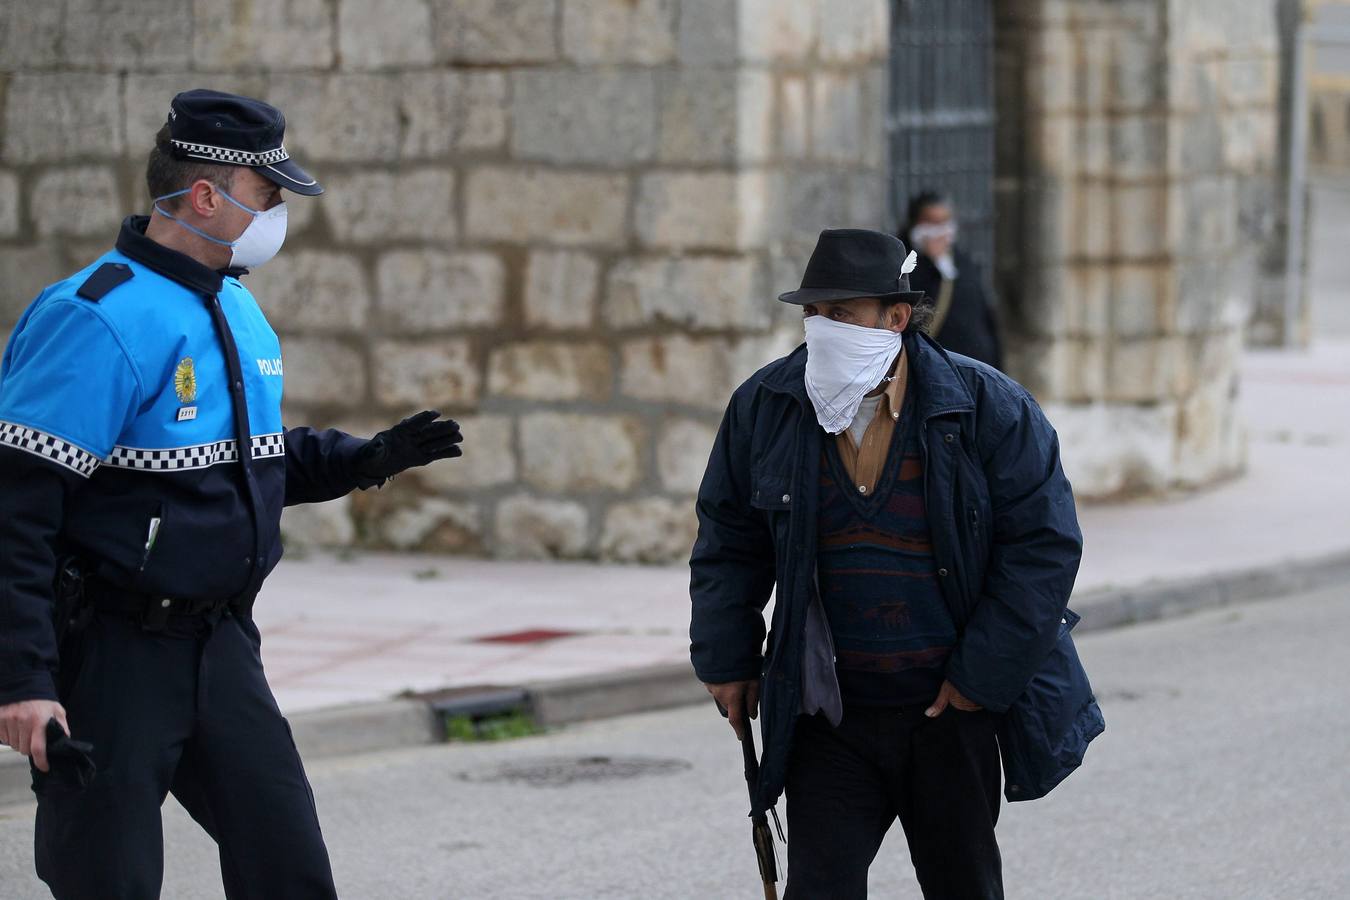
[{"x": 152, "y": 611}]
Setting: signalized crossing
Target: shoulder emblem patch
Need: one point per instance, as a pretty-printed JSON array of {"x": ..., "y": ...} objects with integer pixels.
[{"x": 185, "y": 381}]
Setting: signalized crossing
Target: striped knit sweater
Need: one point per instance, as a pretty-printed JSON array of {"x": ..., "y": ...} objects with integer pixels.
[{"x": 878, "y": 582}]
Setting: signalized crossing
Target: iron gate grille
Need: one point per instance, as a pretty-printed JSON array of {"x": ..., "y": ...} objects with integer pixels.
[{"x": 941, "y": 121}]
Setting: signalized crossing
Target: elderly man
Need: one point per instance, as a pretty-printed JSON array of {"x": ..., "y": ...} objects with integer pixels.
[
  {"x": 142, "y": 457},
  {"x": 910, "y": 509}
]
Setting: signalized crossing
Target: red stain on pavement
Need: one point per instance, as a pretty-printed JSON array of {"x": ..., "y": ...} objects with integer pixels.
[{"x": 530, "y": 636}]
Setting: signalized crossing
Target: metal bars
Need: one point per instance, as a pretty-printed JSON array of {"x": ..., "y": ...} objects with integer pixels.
[{"x": 940, "y": 123}]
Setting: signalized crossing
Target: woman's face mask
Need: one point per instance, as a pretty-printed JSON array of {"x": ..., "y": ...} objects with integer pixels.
[
  {"x": 259, "y": 242},
  {"x": 843, "y": 364},
  {"x": 933, "y": 238}
]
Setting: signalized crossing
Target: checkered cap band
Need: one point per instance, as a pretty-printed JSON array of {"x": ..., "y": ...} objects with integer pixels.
[
  {"x": 233, "y": 157},
  {"x": 201, "y": 456},
  {"x": 38, "y": 443}
]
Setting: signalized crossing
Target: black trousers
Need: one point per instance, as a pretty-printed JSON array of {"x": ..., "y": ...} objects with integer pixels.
[
  {"x": 191, "y": 715},
  {"x": 845, "y": 786}
]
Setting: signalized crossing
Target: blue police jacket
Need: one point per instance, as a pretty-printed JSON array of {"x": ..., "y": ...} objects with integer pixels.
[{"x": 125, "y": 390}]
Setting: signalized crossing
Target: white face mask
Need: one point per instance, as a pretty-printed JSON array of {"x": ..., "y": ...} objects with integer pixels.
[
  {"x": 843, "y": 363},
  {"x": 260, "y": 241}
]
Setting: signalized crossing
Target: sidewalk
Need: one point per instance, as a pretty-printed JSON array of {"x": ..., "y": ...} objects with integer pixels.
[{"x": 339, "y": 632}]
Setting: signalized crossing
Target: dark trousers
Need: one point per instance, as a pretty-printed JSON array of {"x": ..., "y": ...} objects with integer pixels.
[
  {"x": 191, "y": 715},
  {"x": 845, "y": 786}
]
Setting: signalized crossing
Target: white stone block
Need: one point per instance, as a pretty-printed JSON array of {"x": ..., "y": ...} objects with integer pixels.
[
  {"x": 373, "y": 207},
  {"x": 435, "y": 290},
  {"x": 77, "y": 202},
  {"x": 527, "y": 205},
  {"x": 323, "y": 371},
  {"x": 429, "y": 374},
  {"x": 640, "y": 32},
  {"x": 654, "y": 530},
  {"x": 552, "y": 371},
  {"x": 247, "y": 35},
  {"x": 701, "y": 292},
  {"x": 434, "y": 525},
  {"x": 692, "y": 210},
  {"x": 682, "y": 454},
  {"x": 572, "y": 453},
  {"x": 312, "y": 291},
  {"x": 384, "y": 34},
  {"x": 777, "y": 30},
  {"x": 561, "y": 288},
  {"x": 531, "y": 527},
  {"x": 55, "y": 116},
  {"x": 593, "y": 117},
  {"x": 497, "y": 32},
  {"x": 1109, "y": 450},
  {"x": 318, "y": 525}
]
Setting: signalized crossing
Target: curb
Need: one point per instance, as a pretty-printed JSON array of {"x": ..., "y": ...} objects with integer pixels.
[
  {"x": 1152, "y": 601},
  {"x": 419, "y": 721}
]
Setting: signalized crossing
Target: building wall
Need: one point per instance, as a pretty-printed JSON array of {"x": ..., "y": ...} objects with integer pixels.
[
  {"x": 560, "y": 221},
  {"x": 563, "y": 222},
  {"x": 1137, "y": 197}
]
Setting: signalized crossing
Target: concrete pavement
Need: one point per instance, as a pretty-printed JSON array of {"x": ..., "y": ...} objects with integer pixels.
[{"x": 1224, "y": 773}]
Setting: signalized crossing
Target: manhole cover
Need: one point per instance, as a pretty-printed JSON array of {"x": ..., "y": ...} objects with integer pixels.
[{"x": 560, "y": 772}]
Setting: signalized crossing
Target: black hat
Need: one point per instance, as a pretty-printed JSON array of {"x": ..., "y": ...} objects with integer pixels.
[
  {"x": 236, "y": 131},
  {"x": 852, "y": 263}
]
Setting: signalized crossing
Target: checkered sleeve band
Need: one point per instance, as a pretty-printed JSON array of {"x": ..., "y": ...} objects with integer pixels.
[
  {"x": 233, "y": 157},
  {"x": 267, "y": 445},
  {"x": 50, "y": 447},
  {"x": 201, "y": 456}
]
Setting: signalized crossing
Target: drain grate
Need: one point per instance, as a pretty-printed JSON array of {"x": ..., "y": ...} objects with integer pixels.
[{"x": 561, "y": 772}]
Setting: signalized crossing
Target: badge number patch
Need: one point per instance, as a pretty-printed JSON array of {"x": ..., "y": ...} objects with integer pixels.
[{"x": 187, "y": 413}]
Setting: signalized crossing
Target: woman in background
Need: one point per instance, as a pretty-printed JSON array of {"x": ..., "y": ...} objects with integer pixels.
[{"x": 964, "y": 320}]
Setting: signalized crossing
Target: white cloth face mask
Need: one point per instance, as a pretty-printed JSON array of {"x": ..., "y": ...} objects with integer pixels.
[
  {"x": 843, "y": 364},
  {"x": 920, "y": 235},
  {"x": 260, "y": 241}
]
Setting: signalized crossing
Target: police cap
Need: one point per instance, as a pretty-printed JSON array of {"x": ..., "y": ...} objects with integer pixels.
[{"x": 236, "y": 131}]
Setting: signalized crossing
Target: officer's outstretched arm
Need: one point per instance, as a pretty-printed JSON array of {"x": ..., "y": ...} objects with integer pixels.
[
  {"x": 325, "y": 465},
  {"x": 321, "y": 465}
]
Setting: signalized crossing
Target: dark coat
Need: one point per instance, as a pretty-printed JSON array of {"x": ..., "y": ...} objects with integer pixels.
[
  {"x": 1001, "y": 513},
  {"x": 970, "y": 327}
]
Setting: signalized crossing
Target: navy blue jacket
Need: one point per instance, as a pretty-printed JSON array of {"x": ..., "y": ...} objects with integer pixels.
[
  {"x": 118, "y": 409},
  {"x": 1001, "y": 513}
]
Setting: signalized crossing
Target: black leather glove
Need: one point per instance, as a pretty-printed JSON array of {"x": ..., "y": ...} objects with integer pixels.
[
  {"x": 415, "y": 441},
  {"x": 70, "y": 760}
]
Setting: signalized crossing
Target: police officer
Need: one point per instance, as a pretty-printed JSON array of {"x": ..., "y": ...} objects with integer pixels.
[{"x": 142, "y": 450}]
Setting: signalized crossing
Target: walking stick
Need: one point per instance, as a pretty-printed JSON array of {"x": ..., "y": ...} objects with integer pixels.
[{"x": 759, "y": 822}]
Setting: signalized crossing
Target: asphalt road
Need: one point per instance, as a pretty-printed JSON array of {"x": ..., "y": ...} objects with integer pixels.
[{"x": 1224, "y": 773}]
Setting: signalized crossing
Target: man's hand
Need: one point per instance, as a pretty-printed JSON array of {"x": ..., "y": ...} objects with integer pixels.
[
  {"x": 416, "y": 441},
  {"x": 735, "y": 697},
  {"x": 950, "y": 695},
  {"x": 23, "y": 727}
]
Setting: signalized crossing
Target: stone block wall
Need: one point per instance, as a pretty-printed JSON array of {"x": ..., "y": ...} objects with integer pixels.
[
  {"x": 1137, "y": 154},
  {"x": 561, "y": 221}
]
